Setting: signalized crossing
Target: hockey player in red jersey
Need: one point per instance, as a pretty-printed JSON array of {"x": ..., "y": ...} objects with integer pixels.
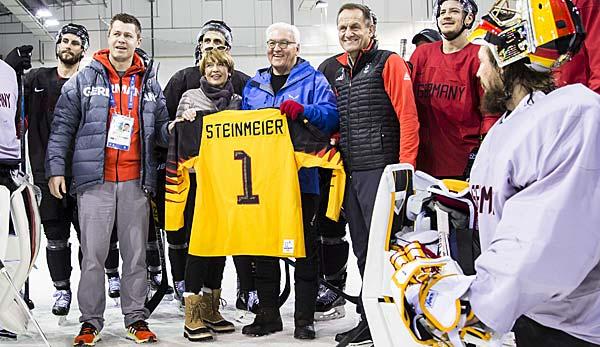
[
  {"x": 447, "y": 93},
  {"x": 585, "y": 66}
]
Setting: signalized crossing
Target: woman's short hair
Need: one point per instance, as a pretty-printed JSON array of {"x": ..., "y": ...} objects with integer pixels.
[{"x": 216, "y": 56}]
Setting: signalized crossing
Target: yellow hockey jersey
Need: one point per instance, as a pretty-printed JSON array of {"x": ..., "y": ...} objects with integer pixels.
[{"x": 248, "y": 194}]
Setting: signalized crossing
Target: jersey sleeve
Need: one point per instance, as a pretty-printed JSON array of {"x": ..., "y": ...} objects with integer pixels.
[
  {"x": 312, "y": 149},
  {"x": 184, "y": 148},
  {"x": 398, "y": 86}
]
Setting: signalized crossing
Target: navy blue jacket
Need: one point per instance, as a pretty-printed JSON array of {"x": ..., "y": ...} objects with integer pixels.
[{"x": 79, "y": 128}]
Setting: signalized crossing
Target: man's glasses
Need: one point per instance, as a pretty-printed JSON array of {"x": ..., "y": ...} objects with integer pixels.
[
  {"x": 282, "y": 44},
  {"x": 220, "y": 48}
]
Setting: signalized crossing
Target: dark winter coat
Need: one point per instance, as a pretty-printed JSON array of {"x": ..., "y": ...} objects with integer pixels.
[{"x": 80, "y": 125}]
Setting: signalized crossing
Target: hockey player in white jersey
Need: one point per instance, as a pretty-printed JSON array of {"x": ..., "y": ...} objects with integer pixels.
[
  {"x": 534, "y": 185},
  {"x": 535, "y": 181}
]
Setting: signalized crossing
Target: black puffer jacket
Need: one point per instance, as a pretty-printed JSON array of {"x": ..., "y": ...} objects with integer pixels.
[
  {"x": 369, "y": 128},
  {"x": 82, "y": 113}
]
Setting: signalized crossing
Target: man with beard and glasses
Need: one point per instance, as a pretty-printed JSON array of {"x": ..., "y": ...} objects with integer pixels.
[
  {"x": 534, "y": 182},
  {"x": 447, "y": 94},
  {"x": 42, "y": 89}
]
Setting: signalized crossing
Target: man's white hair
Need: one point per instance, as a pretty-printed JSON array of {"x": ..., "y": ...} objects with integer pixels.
[{"x": 284, "y": 27}]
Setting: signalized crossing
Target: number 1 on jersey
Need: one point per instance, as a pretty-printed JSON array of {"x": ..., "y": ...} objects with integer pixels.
[{"x": 248, "y": 198}]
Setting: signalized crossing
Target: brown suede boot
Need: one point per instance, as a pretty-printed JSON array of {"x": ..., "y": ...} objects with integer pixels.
[
  {"x": 194, "y": 328},
  {"x": 211, "y": 315}
]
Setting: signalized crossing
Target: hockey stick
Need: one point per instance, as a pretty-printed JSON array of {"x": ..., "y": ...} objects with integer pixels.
[
  {"x": 22, "y": 302},
  {"x": 23, "y": 163},
  {"x": 353, "y": 299},
  {"x": 164, "y": 282}
]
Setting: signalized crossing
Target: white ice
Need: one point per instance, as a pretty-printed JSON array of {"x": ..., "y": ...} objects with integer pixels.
[{"x": 167, "y": 320}]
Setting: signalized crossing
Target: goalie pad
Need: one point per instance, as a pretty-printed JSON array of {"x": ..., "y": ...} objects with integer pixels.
[{"x": 21, "y": 239}]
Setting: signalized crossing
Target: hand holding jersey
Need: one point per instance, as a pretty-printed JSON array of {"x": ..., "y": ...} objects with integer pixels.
[{"x": 291, "y": 109}]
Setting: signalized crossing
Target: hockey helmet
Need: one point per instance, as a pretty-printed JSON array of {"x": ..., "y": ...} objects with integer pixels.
[
  {"x": 469, "y": 7},
  {"x": 546, "y": 32},
  {"x": 212, "y": 25},
  {"x": 77, "y": 30}
]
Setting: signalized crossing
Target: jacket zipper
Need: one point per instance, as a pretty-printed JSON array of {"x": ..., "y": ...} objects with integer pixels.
[
  {"x": 141, "y": 121},
  {"x": 120, "y": 111}
]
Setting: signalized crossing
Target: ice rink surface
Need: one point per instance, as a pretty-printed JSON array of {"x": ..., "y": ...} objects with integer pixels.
[{"x": 167, "y": 320}]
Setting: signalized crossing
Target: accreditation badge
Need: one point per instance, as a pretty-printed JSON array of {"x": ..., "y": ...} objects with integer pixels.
[{"x": 119, "y": 132}]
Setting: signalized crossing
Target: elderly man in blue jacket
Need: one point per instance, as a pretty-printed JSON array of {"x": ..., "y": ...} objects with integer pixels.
[{"x": 298, "y": 90}]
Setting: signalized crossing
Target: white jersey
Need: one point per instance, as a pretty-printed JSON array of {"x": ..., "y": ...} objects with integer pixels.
[
  {"x": 10, "y": 148},
  {"x": 536, "y": 185}
]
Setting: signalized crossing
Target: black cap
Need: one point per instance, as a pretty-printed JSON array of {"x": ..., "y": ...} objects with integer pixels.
[{"x": 427, "y": 34}]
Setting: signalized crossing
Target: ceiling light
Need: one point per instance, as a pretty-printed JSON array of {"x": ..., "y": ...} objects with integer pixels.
[
  {"x": 51, "y": 22},
  {"x": 43, "y": 13},
  {"x": 321, "y": 4}
]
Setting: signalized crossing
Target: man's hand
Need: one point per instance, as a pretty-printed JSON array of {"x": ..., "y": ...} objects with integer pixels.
[
  {"x": 20, "y": 58},
  {"x": 57, "y": 185},
  {"x": 291, "y": 109}
]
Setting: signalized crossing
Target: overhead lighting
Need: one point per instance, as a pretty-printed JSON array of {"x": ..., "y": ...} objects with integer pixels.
[
  {"x": 51, "y": 22},
  {"x": 321, "y": 4},
  {"x": 43, "y": 13}
]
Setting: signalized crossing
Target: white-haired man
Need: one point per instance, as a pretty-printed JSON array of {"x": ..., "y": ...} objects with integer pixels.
[{"x": 303, "y": 93}]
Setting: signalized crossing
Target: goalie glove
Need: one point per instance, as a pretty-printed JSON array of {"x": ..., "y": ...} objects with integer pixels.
[{"x": 436, "y": 289}]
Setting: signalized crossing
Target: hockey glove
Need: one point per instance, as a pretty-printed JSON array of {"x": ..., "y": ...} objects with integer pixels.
[
  {"x": 20, "y": 58},
  {"x": 436, "y": 290},
  {"x": 291, "y": 109}
]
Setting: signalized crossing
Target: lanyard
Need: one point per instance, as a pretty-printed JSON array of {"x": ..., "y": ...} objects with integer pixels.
[{"x": 113, "y": 104}]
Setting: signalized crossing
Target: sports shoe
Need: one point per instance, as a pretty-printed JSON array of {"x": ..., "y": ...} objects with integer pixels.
[
  {"x": 155, "y": 279},
  {"x": 88, "y": 335},
  {"x": 179, "y": 287},
  {"x": 63, "y": 302},
  {"x": 329, "y": 305},
  {"x": 140, "y": 333},
  {"x": 114, "y": 287},
  {"x": 7, "y": 335},
  {"x": 360, "y": 335},
  {"x": 247, "y": 301}
]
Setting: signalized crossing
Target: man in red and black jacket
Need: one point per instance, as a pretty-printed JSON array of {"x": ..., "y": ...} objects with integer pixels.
[{"x": 378, "y": 125}]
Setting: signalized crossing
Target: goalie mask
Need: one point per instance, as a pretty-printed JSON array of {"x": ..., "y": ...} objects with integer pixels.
[{"x": 546, "y": 32}]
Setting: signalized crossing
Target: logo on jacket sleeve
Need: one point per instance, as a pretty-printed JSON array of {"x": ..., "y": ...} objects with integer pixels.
[
  {"x": 150, "y": 97},
  {"x": 484, "y": 199}
]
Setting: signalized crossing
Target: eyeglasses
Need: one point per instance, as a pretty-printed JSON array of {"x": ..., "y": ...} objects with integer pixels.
[
  {"x": 220, "y": 48},
  {"x": 282, "y": 44}
]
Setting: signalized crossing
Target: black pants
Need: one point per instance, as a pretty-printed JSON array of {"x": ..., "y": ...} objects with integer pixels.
[
  {"x": 333, "y": 248},
  {"x": 359, "y": 200},
  {"x": 268, "y": 272},
  {"x": 529, "y": 333},
  {"x": 179, "y": 240},
  {"x": 203, "y": 272}
]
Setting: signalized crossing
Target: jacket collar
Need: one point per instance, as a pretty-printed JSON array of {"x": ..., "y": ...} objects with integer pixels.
[
  {"x": 301, "y": 70},
  {"x": 101, "y": 57},
  {"x": 363, "y": 56}
]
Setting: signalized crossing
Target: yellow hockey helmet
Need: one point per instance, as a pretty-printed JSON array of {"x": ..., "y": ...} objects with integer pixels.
[{"x": 547, "y": 32}]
